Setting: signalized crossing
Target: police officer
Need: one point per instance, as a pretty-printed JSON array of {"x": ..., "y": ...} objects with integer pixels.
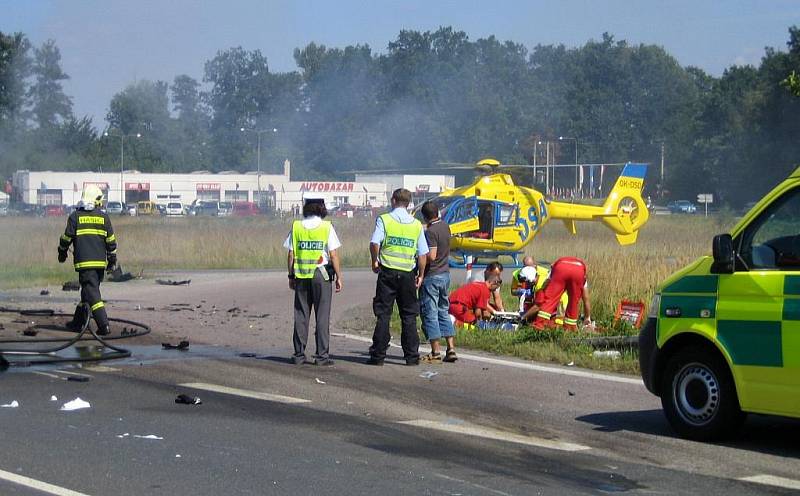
[
  {"x": 398, "y": 250},
  {"x": 313, "y": 263},
  {"x": 91, "y": 235}
]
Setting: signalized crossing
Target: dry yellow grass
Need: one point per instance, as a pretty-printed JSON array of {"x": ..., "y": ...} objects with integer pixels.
[{"x": 28, "y": 249}]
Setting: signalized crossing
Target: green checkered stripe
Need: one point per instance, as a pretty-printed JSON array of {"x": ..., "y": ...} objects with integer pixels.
[{"x": 752, "y": 327}]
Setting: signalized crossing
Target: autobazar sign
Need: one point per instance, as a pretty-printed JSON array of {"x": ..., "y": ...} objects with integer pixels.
[{"x": 327, "y": 186}]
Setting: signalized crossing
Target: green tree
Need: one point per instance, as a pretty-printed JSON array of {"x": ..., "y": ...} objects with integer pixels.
[{"x": 49, "y": 104}]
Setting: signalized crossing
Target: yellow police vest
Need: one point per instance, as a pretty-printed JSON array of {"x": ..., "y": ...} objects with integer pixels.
[
  {"x": 399, "y": 246},
  {"x": 308, "y": 246}
]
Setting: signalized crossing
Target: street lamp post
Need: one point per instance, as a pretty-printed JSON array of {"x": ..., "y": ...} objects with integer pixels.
[
  {"x": 122, "y": 159},
  {"x": 564, "y": 138},
  {"x": 258, "y": 133}
]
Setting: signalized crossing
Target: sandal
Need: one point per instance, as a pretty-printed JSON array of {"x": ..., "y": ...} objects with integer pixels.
[
  {"x": 431, "y": 358},
  {"x": 450, "y": 356}
]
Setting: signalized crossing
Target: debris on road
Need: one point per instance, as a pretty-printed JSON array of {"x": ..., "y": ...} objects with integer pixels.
[
  {"x": 30, "y": 331},
  {"x": 429, "y": 374},
  {"x": 571, "y": 364},
  {"x": 612, "y": 354},
  {"x": 261, "y": 316},
  {"x": 248, "y": 355},
  {"x": 570, "y": 393},
  {"x": 234, "y": 310},
  {"x": 183, "y": 345},
  {"x": 121, "y": 436},
  {"x": 44, "y": 292},
  {"x": 54, "y": 398},
  {"x": 13, "y": 404},
  {"x": 319, "y": 381},
  {"x": 76, "y": 404},
  {"x": 118, "y": 276},
  {"x": 71, "y": 286},
  {"x": 185, "y": 399},
  {"x": 149, "y": 436},
  {"x": 170, "y": 282},
  {"x": 78, "y": 378}
]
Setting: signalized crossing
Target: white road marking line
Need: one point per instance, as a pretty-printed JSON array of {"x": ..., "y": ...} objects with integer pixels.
[
  {"x": 478, "y": 486},
  {"x": 484, "y": 432},
  {"x": 72, "y": 373},
  {"x": 52, "y": 376},
  {"x": 244, "y": 392},
  {"x": 38, "y": 485},
  {"x": 518, "y": 365},
  {"x": 772, "y": 480},
  {"x": 101, "y": 368}
]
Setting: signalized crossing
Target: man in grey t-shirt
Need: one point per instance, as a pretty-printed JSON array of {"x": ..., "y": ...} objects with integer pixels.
[{"x": 433, "y": 298}]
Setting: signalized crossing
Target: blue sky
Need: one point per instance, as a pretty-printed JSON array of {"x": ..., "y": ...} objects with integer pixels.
[{"x": 107, "y": 44}]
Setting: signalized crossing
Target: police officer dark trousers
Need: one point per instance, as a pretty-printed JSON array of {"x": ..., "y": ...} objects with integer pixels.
[{"x": 94, "y": 243}]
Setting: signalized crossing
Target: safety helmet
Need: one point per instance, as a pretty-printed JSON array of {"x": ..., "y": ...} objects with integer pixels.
[
  {"x": 528, "y": 274},
  {"x": 92, "y": 195}
]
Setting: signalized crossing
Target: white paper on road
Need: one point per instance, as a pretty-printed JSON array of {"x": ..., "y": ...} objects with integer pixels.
[
  {"x": 319, "y": 381},
  {"x": 76, "y": 404},
  {"x": 13, "y": 404},
  {"x": 149, "y": 436},
  {"x": 53, "y": 398},
  {"x": 429, "y": 374}
]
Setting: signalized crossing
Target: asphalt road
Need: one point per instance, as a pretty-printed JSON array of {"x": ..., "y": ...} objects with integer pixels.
[{"x": 484, "y": 425}]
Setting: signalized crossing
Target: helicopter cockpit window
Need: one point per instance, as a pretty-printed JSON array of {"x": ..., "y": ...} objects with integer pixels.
[
  {"x": 772, "y": 241},
  {"x": 507, "y": 215},
  {"x": 444, "y": 202}
]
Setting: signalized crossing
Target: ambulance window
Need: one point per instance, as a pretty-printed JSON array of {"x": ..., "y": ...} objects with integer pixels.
[{"x": 772, "y": 241}]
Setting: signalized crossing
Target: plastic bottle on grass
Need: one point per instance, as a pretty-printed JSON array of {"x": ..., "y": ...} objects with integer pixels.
[{"x": 612, "y": 354}]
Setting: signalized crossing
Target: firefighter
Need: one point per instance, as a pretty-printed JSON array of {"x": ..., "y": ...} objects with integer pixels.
[
  {"x": 94, "y": 244},
  {"x": 568, "y": 274}
]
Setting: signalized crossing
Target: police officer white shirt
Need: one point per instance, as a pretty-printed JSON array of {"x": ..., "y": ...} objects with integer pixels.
[{"x": 313, "y": 222}]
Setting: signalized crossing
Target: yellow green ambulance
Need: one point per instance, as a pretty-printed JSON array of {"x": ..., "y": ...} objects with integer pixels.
[{"x": 722, "y": 338}]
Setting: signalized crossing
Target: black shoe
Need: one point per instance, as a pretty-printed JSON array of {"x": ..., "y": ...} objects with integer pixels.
[
  {"x": 104, "y": 331},
  {"x": 73, "y": 326},
  {"x": 323, "y": 362},
  {"x": 298, "y": 360},
  {"x": 375, "y": 361},
  {"x": 412, "y": 361}
]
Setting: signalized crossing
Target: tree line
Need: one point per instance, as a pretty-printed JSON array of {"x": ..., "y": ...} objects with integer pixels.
[{"x": 429, "y": 97}]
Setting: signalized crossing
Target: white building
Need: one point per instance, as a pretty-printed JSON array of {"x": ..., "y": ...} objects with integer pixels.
[{"x": 273, "y": 190}]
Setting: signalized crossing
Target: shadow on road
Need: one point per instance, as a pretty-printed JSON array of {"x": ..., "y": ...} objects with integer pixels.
[{"x": 777, "y": 436}]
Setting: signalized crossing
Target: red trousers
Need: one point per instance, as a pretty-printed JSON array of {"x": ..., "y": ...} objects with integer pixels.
[{"x": 567, "y": 274}]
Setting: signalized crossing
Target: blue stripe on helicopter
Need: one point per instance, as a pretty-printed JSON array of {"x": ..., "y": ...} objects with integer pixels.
[{"x": 635, "y": 170}]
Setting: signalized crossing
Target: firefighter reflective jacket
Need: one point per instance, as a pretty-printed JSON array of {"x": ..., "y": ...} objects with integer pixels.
[
  {"x": 399, "y": 247},
  {"x": 308, "y": 246},
  {"x": 92, "y": 237}
]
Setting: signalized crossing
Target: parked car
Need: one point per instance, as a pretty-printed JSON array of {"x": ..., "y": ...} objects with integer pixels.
[
  {"x": 54, "y": 211},
  {"x": 210, "y": 208},
  {"x": 131, "y": 210},
  {"x": 174, "y": 208},
  {"x": 245, "y": 209},
  {"x": 225, "y": 209},
  {"x": 3, "y": 209},
  {"x": 114, "y": 208},
  {"x": 682, "y": 207},
  {"x": 146, "y": 208}
]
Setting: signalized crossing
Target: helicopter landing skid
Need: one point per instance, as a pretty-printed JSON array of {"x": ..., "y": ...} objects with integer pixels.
[{"x": 492, "y": 256}]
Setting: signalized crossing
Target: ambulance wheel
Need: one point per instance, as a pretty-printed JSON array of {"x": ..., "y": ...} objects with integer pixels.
[{"x": 699, "y": 396}]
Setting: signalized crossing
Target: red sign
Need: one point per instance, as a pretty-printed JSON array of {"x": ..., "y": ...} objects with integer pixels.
[
  {"x": 327, "y": 186},
  {"x": 631, "y": 312},
  {"x": 137, "y": 186},
  {"x": 208, "y": 187}
]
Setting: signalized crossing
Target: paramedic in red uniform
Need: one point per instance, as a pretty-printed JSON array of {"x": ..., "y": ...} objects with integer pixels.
[
  {"x": 470, "y": 302},
  {"x": 567, "y": 274}
]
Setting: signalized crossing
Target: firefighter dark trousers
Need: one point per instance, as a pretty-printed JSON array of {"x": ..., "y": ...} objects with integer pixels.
[
  {"x": 90, "y": 294},
  {"x": 399, "y": 286}
]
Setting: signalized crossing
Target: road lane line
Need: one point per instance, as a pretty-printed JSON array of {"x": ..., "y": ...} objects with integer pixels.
[
  {"x": 244, "y": 392},
  {"x": 484, "y": 432},
  {"x": 100, "y": 368},
  {"x": 518, "y": 365},
  {"x": 477, "y": 486},
  {"x": 74, "y": 373},
  {"x": 52, "y": 376},
  {"x": 38, "y": 485},
  {"x": 772, "y": 480}
]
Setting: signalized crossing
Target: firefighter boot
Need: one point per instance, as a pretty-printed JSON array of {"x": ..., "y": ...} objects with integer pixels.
[
  {"x": 78, "y": 319},
  {"x": 103, "y": 330}
]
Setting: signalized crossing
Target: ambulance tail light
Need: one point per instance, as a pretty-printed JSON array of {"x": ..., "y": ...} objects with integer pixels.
[{"x": 655, "y": 304}]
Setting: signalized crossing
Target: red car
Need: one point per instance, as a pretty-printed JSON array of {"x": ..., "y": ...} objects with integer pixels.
[
  {"x": 54, "y": 211},
  {"x": 245, "y": 209}
]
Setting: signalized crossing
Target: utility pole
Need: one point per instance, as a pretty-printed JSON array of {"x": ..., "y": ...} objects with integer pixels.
[{"x": 663, "y": 146}]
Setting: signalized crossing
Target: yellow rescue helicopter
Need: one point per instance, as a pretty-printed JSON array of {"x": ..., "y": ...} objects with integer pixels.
[{"x": 494, "y": 217}]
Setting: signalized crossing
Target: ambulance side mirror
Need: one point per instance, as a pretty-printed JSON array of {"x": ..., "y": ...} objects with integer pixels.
[{"x": 723, "y": 254}]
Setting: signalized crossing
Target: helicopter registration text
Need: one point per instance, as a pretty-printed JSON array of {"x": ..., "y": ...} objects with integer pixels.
[{"x": 629, "y": 182}]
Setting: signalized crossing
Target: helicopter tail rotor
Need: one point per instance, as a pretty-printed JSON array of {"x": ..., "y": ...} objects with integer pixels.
[{"x": 624, "y": 211}]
